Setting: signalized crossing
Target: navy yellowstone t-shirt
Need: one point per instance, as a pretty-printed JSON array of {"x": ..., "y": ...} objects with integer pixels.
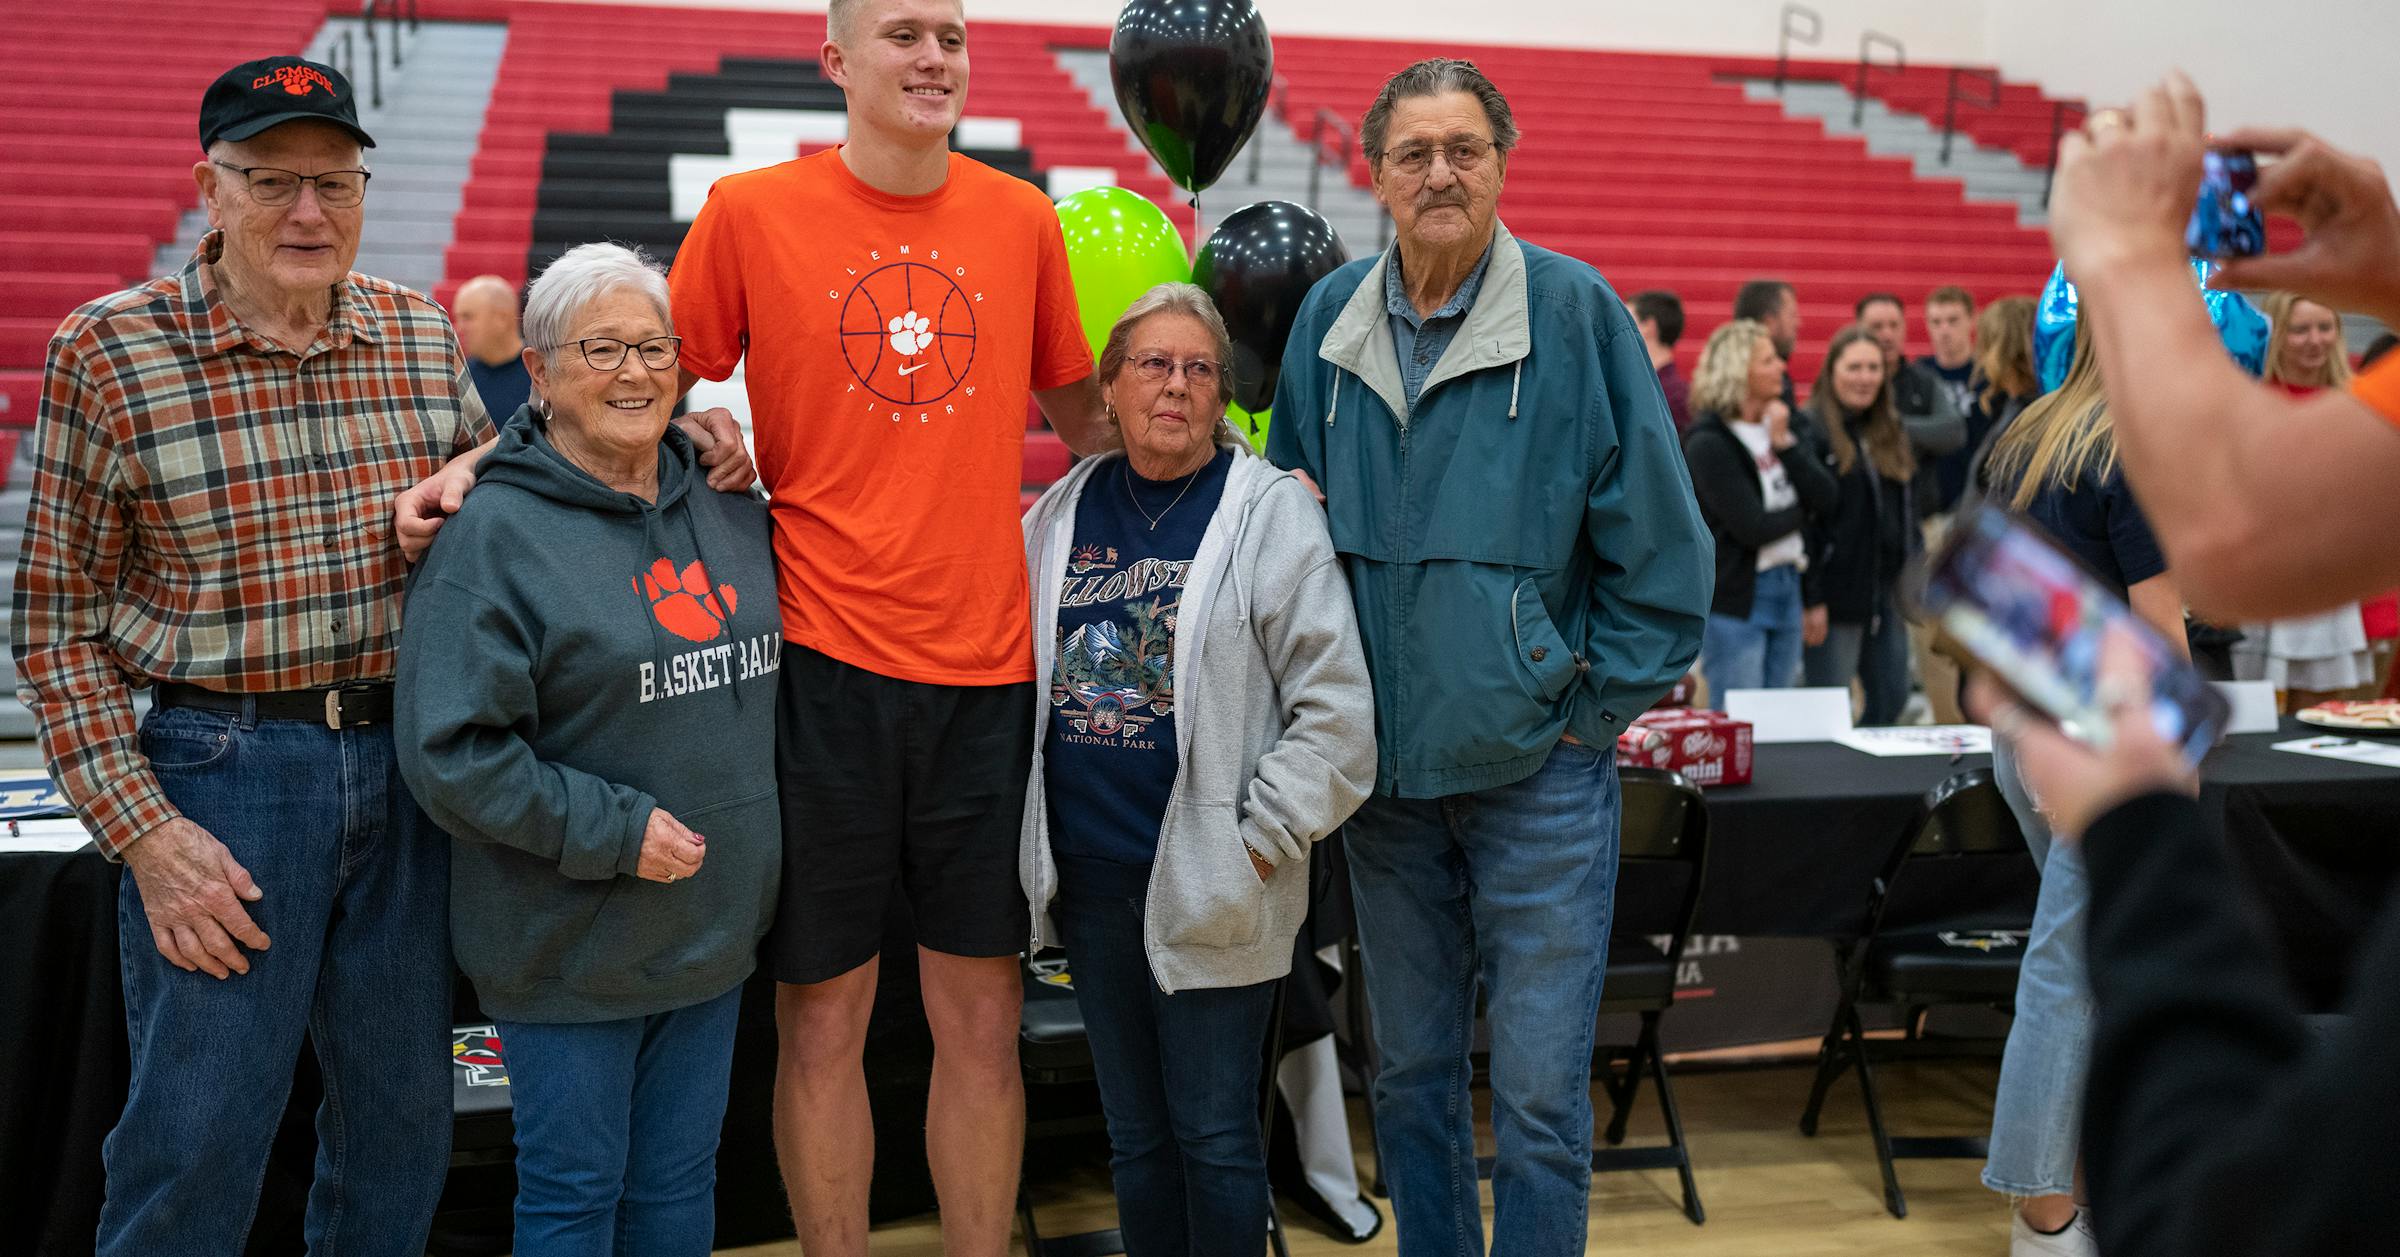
[{"x": 1110, "y": 749}]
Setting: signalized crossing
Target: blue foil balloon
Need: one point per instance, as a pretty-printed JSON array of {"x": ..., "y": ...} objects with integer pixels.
[{"x": 2240, "y": 326}]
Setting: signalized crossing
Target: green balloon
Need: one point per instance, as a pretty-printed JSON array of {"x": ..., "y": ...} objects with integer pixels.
[
  {"x": 1251, "y": 424},
  {"x": 1119, "y": 246}
]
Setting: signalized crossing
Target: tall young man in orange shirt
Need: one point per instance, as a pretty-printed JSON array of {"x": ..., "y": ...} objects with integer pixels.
[{"x": 896, "y": 302}]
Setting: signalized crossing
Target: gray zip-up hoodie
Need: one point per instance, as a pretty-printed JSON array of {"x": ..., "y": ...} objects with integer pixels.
[
  {"x": 1274, "y": 728},
  {"x": 572, "y": 658}
]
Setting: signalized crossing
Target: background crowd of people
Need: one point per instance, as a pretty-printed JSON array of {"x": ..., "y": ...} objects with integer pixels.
[{"x": 1908, "y": 443}]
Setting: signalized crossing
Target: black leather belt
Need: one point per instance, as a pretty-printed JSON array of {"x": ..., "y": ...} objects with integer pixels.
[{"x": 337, "y": 707}]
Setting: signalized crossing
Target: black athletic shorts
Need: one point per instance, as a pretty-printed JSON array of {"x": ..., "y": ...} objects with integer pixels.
[{"x": 894, "y": 786}]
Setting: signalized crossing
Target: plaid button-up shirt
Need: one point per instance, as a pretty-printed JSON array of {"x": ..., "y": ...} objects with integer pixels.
[{"x": 210, "y": 507}]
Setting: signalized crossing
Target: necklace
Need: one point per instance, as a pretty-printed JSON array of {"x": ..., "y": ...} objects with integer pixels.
[{"x": 1137, "y": 502}]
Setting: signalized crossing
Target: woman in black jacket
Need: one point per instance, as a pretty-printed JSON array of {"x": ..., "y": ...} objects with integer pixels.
[
  {"x": 1856, "y": 552},
  {"x": 1756, "y": 480}
]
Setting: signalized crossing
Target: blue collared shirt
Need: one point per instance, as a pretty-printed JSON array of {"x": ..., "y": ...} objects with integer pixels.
[{"x": 1420, "y": 340}]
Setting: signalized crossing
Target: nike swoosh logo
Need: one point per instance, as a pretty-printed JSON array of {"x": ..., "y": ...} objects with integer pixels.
[{"x": 919, "y": 367}]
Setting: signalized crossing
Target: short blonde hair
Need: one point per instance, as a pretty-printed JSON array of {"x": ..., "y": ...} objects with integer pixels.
[{"x": 1721, "y": 383}]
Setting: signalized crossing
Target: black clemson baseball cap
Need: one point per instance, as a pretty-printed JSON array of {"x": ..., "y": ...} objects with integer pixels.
[{"x": 255, "y": 95}]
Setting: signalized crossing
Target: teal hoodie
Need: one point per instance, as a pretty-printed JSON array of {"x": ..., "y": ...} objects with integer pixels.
[
  {"x": 572, "y": 657},
  {"x": 1523, "y": 545}
]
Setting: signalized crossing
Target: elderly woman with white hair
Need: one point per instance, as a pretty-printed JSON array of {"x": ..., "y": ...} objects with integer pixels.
[
  {"x": 1208, "y": 718},
  {"x": 586, "y": 701}
]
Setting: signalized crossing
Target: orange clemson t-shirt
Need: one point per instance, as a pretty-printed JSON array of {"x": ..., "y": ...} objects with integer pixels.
[{"x": 893, "y": 342}]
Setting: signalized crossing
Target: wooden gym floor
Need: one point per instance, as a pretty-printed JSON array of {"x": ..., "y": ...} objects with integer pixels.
[{"x": 1769, "y": 1191}]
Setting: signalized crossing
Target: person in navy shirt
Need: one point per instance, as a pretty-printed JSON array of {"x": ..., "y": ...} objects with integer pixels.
[{"x": 485, "y": 310}]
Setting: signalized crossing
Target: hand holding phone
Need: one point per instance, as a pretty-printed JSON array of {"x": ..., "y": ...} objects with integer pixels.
[
  {"x": 2074, "y": 784},
  {"x": 2037, "y": 620},
  {"x": 2226, "y": 222}
]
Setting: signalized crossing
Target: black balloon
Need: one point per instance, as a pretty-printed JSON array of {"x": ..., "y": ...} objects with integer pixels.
[
  {"x": 1192, "y": 79},
  {"x": 1258, "y": 266}
]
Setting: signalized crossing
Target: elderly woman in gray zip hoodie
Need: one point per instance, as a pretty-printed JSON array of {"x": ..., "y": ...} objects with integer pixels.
[{"x": 1207, "y": 718}]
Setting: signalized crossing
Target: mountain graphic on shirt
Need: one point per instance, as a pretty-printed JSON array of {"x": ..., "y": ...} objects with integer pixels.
[{"x": 1131, "y": 665}]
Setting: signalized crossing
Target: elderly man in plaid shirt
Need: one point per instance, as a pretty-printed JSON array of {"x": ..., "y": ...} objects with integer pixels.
[{"x": 216, "y": 454}]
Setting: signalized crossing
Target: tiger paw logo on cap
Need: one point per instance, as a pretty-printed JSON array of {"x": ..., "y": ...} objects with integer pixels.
[{"x": 297, "y": 80}]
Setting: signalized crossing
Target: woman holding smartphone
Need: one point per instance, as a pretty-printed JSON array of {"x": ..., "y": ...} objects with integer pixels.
[{"x": 2056, "y": 464}]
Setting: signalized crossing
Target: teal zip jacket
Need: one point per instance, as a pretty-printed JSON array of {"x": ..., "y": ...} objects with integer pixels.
[{"x": 1523, "y": 546}]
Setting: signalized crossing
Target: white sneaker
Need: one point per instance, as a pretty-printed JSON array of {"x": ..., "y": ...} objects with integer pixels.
[{"x": 2075, "y": 1241}]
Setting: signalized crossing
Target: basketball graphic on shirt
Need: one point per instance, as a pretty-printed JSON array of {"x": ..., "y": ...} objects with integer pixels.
[{"x": 908, "y": 333}]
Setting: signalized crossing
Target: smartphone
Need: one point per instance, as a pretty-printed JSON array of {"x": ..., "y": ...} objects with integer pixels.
[
  {"x": 2029, "y": 611},
  {"x": 2225, "y": 222}
]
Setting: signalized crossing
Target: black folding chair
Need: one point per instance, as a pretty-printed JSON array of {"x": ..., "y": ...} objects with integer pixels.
[
  {"x": 1960, "y": 945},
  {"x": 1664, "y": 828},
  {"x": 1053, "y": 1049}
]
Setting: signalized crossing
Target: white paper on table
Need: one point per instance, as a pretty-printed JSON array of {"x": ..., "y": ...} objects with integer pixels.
[
  {"x": 62, "y": 834},
  {"x": 2253, "y": 705},
  {"x": 1886, "y": 742},
  {"x": 2356, "y": 750},
  {"x": 1807, "y": 714}
]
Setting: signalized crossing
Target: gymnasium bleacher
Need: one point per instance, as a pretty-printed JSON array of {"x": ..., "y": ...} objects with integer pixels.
[
  {"x": 584, "y": 121},
  {"x": 91, "y": 181},
  {"x": 1660, "y": 172},
  {"x": 607, "y": 121}
]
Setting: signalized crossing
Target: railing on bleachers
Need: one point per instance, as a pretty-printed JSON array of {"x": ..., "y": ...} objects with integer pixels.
[
  {"x": 1790, "y": 32},
  {"x": 1991, "y": 100},
  {"x": 395, "y": 11},
  {"x": 1868, "y": 42}
]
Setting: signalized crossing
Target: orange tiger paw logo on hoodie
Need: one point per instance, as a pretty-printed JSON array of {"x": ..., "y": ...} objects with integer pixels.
[{"x": 685, "y": 602}]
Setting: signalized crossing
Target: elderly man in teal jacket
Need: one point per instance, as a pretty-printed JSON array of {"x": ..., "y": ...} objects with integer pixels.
[{"x": 1503, "y": 486}]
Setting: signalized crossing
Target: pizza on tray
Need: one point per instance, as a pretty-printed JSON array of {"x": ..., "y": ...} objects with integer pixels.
[{"x": 2344, "y": 715}]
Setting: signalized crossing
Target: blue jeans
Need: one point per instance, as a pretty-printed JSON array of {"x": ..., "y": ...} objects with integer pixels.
[
  {"x": 1876, "y": 654},
  {"x": 617, "y": 1125},
  {"x": 2037, "y": 1113},
  {"x": 356, "y": 886},
  {"x": 1760, "y": 650},
  {"x": 1511, "y": 889},
  {"x": 1181, "y": 1077}
]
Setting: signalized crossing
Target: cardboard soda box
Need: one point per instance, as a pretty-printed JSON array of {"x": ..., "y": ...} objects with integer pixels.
[
  {"x": 1710, "y": 748},
  {"x": 1678, "y": 695}
]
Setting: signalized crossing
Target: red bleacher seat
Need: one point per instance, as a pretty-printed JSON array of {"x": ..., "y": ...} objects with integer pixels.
[
  {"x": 1662, "y": 174},
  {"x": 128, "y": 150},
  {"x": 20, "y": 398},
  {"x": 1653, "y": 167},
  {"x": 1046, "y": 457}
]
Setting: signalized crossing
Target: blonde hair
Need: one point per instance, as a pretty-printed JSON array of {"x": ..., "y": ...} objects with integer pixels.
[
  {"x": 1887, "y": 442},
  {"x": 1721, "y": 382},
  {"x": 2279, "y": 308},
  {"x": 2061, "y": 436},
  {"x": 2004, "y": 350}
]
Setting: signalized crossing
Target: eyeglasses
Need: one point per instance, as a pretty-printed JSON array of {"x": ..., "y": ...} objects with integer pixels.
[
  {"x": 1415, "y": 159},
  {"x": 607, "y": 353},
  {"x": 269, "y": 186},
  {"x": 1158, "y": 369}
]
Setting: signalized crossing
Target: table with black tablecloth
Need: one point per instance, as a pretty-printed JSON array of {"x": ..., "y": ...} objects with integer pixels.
[
  {"x": 1793, "y": 852},
  {"x": 62, "y": 1044}
]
